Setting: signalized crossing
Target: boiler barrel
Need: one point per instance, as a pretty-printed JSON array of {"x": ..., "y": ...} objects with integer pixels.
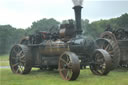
[
  {"x": 53, "y": 48},
  {"x": 80, "y": 46}
]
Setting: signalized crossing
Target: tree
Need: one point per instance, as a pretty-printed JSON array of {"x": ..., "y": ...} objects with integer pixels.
[
  {"x": 43, "y": 25},
  {"x": 8, "y": 37}
]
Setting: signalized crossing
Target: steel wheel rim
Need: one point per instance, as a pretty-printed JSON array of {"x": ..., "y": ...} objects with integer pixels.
[
  {"x": 102, "y": 62},
  {"x": 17, "y": 60},
  {"x": 109, "y": 36},
  {"x": 106, "y": 45},
  {"x": 65, "y": 67},
  {"x": 69, "y": 66},
  {"x": 112, "y": 39}
]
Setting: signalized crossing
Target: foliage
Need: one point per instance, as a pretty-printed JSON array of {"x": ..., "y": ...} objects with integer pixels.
[
  {"x": 10, "y": 35},
  {"x": 43, "y": 25},
  {"x": 94, "y": 29}
]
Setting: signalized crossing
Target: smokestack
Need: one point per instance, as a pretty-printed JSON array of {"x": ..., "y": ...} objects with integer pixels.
[{"x": 77, "y": 9}]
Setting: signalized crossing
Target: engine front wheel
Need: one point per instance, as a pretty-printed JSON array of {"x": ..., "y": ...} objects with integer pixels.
[
  {"x": 101, "y": 62},
  {"x": 69, "y": 66}
]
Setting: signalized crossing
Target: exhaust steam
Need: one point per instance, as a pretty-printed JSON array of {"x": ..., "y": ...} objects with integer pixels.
[{"x": 77, "y": 2}]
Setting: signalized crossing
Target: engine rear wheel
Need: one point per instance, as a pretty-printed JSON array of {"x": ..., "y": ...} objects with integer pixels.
[
  {"x": 24, "y": 41},
  {"x": 69, "y": 66},
  {"x": 102, "y": 62},
  {"x": 115, "y": 53},
  {"x": 20, "y": 59}
]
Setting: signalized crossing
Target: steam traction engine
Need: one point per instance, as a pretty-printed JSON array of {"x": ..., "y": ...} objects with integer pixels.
[{"x": 66, "y": 50}]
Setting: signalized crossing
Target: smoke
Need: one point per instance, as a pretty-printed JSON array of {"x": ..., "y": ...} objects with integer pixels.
[{"x": 77, "y": 2}]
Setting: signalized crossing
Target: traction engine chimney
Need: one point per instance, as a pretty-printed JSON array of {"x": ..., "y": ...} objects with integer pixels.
[{"x": 77, "y": 9}]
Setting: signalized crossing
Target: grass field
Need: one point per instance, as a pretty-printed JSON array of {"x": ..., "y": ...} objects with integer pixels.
[
  {"x": 4, "y": 57},
  {"x": 38, "y": 77},
  {"x": 4, "y": 60}
]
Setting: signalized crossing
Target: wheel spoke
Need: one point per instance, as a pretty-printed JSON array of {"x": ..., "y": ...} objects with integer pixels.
[
  {"x": 64, "y": 61},
  {"x": 64, "y": 72},
  {"x": 110, "y": 52},
  {"x": 15, "y": 64},
  {"x": 21, "y": 68},
  {"x": 103, "y": 66},
  {"x": 106, "y": 48},
  {"x": 69, "y": 73},
  {"x": 63, "y": 69},
  {"x": 22, "y": 57},
  {"x": 100, "y": 71},
  {"x": 22, "y": 61},
  {"x": 68, "y": 59},
  {"x": 17, "y": 70},
  {"x": 19, "y": 54}
]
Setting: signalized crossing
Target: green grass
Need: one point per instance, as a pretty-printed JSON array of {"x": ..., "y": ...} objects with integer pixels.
[
  {"x": 38, "y": 77},
  {"x": 4, "y": 60},
  {"x": 4, "y": 57},
  {"x": 4, "y": 63}
]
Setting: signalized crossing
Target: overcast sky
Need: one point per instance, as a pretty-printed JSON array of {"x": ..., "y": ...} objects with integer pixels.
[{"x": 21, "y": 13}]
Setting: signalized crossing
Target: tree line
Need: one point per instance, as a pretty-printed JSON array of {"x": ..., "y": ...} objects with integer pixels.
[{"x": 10, "y": 35}]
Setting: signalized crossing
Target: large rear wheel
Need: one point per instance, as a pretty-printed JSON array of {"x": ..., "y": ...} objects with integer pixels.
[
  {"x": 112, "y": 47},
  {"x": 24, "y": 41},
  {"x": 20, "y": 59}
]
